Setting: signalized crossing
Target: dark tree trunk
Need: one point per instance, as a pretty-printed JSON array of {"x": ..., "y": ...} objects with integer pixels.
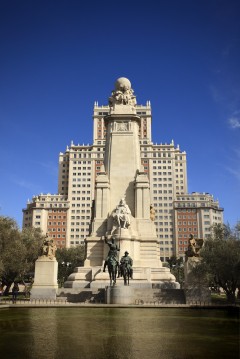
[
  {"x": 7, "y": 289},
  {"x": 231, "y": 299}
]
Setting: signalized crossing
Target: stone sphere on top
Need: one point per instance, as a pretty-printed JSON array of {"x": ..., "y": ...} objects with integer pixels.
[{"x": 122, "y": 84}]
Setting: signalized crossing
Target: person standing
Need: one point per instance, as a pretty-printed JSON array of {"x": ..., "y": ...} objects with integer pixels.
[{"x": 15, "y": 291}]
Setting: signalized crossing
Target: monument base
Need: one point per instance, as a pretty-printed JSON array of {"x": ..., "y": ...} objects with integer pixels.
[
  {"x": 195, "y": 288},
  {"x": 119, "y": 295},
  {"x": 45, "y": 284},
  {"x": 86, "y": 277},
  {"x": 44, "y": 292}
]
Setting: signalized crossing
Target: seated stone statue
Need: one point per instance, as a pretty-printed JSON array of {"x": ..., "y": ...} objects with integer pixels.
[
  {"x": 121, "y": 215},
  {"x": 48, "y": 248},
  {"x": 194, "y": 246}
]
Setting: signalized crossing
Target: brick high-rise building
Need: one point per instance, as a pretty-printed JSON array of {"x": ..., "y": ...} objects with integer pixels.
[{"x": 194, "y": 214}]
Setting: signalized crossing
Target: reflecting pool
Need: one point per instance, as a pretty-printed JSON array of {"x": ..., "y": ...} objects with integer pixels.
[{"x": 112, "y": 333}]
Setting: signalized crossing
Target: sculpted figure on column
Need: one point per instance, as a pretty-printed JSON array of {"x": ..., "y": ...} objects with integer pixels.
[
  {"x": 121, "y": 215},
  {"x": 48, "y": 248},
  {"x": 123, "y": 93}
]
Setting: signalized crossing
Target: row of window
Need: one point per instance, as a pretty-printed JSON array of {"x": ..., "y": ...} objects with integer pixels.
[
  {"x": 162, "y": 191},
  {"x": 82, "y": 168},
  {"x": 56, "y": 223},
  {"x": 56, "y": 205},
  {"x": 165, "y": 179},
  {"x": 75, "y": 217},
  {"x": 79, "y": 223},
  {"x": 81, "y": 205},
  {"x": 164, "y": 161},
  {"x": 183, "y": 242},
  {"x": 189, "y": 223},
  {"x": 81, "y": 162},
  {"x": 52, "y": 199},
  {"x": 57, "y": 229},
  {"x": 80, "y": 174},
  {"x": 81, "y": 198},
  {"x": 79, "y": 192},
  {"x": 79, "y": 229},
  {"x": 163, "y": 204},
  {"x": 187, "y": 229},
  {"x": 164, "y": 229},
  {"x": 77, "y": 242},
  {"x": 183, "y": 236},
  {"x": 162, "y": 198},
  {"x": 166, "y": 242},
  {"x": 193, "y": 216},
  {"x": 163, "y": 223}
]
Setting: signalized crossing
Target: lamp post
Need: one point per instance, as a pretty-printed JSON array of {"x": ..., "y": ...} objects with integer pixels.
[
  {"x": 178, "y": 266},
  {"x": 65, "y": 265}
]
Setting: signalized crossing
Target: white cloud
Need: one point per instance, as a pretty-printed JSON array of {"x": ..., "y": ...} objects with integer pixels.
[
  {"x": 234, "y": 122},
  {"x": 235, "y": 172},
  {"x": 233, "y": 166},
  {"x": 25, "y": 184},
  {"x": 50, "y": 168}
]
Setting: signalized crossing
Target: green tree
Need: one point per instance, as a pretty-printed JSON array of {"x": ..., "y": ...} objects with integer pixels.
[
  {"x": 68, "y": 259},
  {"x": 220, "y": 260},
  {"x": 177, "y": 268},
  {"x": 18, "y": 251}
]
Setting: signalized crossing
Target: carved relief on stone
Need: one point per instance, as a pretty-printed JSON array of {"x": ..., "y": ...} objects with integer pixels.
[{"x": 122, "y": 126}]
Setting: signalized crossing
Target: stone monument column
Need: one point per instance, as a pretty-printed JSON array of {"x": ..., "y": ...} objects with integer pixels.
[
  {"x": 122, "y": 202},
  {"x": 122, "y": 154},
  {"x": 45, "y": 284}
]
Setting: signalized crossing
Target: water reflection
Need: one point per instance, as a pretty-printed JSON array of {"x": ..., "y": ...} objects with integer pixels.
[{"x": 111, "y": 333}]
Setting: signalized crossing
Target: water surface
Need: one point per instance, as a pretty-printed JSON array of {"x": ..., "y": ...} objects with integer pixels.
[{"x": 112, "y": 333}]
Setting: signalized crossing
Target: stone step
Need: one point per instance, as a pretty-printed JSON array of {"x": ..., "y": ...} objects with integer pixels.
[{"x": 141, "y": 295}]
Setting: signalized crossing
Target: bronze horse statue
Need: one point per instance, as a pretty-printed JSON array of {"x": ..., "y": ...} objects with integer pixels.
[{"x": 112, "y": 265}]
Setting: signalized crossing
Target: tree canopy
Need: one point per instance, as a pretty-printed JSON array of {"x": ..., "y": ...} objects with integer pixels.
[
  {"x": 68, "y": 259},
  {"x": 220, "y": 260},
  {"x": 18, "y": 251}
]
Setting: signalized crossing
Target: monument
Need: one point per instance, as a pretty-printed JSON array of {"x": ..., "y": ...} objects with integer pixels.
[
  {"x": 46, "y": 269},
  {"x": 123, "y": 209},
  {"x": 195, "y": 286}
]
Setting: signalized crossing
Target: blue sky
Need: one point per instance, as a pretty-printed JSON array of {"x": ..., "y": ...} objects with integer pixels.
[{"x": 58, "y": 57}]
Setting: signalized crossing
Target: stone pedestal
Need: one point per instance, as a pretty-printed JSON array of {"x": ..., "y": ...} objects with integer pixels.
[
  {"x": 45, "y": 284},
  {"x": 196, "y": 289},
  {"x": 119, "y": 295},
  {"x": 80, "y": 278}
]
